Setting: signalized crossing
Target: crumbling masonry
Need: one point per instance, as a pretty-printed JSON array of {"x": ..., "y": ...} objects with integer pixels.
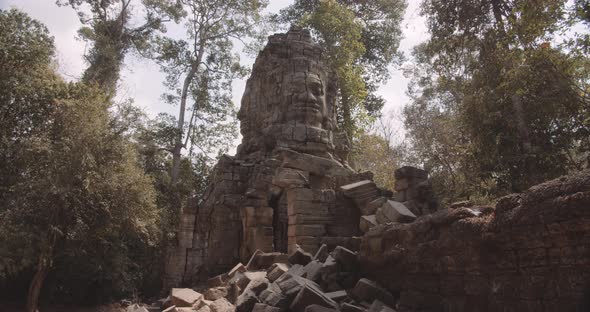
[{"x": 280, "y": 188}]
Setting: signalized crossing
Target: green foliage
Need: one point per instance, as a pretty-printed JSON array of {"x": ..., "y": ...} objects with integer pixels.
[
  {"x": 73, "y": 195},
  {"x": 199, "y": 71},
  {"x": 341, "y": 35},
  {"x": 374, "y": 153},
  {"x": 108, "y": 26},
  {"x": 495, "y": 108},
  {"x": 361, "y": 39}
]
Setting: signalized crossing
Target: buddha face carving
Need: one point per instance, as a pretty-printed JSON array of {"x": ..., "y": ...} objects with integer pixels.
[{"x": 305, "y": 97}]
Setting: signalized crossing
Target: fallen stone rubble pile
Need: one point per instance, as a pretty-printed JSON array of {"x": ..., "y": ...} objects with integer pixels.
[{"x": 275, "y": 282}]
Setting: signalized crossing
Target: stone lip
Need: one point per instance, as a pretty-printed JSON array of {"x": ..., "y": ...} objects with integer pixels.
[{"x": 529, "y": 253}]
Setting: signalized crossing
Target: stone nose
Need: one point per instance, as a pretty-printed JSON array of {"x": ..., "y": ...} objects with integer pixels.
[{"x": 307, "y": 96}]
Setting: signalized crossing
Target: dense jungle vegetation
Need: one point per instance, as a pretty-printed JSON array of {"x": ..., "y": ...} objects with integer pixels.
[{"x": 91, "y": 186}]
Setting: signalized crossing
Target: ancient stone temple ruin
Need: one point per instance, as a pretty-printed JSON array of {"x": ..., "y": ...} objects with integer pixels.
[
  {"x": 281, "y": 188},
  {"x": 289, "y": 193}
]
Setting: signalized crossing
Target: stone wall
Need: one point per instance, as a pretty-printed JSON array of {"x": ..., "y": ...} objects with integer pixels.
[
  {"x": 281, "y": 190},
  {"x": 530, "y": 253}
]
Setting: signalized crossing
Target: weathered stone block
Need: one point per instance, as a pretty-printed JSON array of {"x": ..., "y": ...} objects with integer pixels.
[
  {"x": 261, "y": 307},
  {"x": 215, "y": 293},
  {"x": 307, "y": 207},
  {"x": 238, "y": 268},
  {"x": 170, "y": 309},
  {"x": 322, "y": 253},
  {"x": 291, "y": 178},
  {"x": 349, "y": 307},
  {"x": 184, "y": 297},
  {"x": 371, "y": 207},
  {"x": 319, "y": 308},
  {"x": 367, "y": 290},
  {"x": 367, "y": 222},
  {"x": 309, "y": 295},
  {"x": 246, "y": 301},
  {"x": 222, "y": 305},
  {"x": 276, "y": 270},
  {"x": 393, "y": 211},
  {"x": 312, "y": 271},
  {"x": 299, "y": 256},
  {"x": 347, "y": 259},
  {"x": 338, "y": 295},
  {"x": 307, "y": 230}
]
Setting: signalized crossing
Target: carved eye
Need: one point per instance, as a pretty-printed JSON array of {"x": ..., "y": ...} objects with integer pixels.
[{"x": 316, "y": 88}]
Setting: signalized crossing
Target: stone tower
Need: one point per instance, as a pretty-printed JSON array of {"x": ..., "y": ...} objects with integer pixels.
[{"x": 280, "y": 188}]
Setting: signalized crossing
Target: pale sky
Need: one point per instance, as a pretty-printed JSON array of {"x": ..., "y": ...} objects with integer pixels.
[{"x": 141, "y": 79}]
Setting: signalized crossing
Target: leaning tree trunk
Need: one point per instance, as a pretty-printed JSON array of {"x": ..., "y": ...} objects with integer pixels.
[
  {"x": 37, "y": 283},
  {"x": 176, "y": 154}
]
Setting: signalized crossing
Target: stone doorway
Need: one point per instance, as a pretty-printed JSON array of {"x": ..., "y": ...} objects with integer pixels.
[{"x": 280, "y": 222}]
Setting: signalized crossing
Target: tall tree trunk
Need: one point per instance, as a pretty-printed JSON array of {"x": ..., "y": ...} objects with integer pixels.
[
  {"x": 347, "y": 122},
  {"x": 45, "y": 261},
  {"x": 180, "y": 133}
]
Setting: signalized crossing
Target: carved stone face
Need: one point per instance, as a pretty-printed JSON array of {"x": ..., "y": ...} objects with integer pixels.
[{"x": 305, "y": 97}]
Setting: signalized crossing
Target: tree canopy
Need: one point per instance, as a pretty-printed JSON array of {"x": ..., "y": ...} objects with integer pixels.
[
  {"x": 74, "y": 199},
  {"x": 497, "y": 105},
  {"x": 362, "y": 40}
]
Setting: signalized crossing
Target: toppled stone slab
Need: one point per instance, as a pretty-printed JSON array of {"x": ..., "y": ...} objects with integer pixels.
[
  {"x": 296, "y": 270},
  {"x": 310, "y": 295},
  {"x": 258, "y": 282},
  {"x": 246, "y": 301},
  {"x": 362, "y": 192},
  {"x": 240, "y": 280},
  {"x": 338, "y": 295},
  {"x": 319, "y": 308},
  {"x": 371, "y": 207},
  {"x": 367, "y": 222},
  {"x": 393, "y": 211},
  {"x": 238, "y": 268},
  {"x": 322, "y": 253},
  {"x": 273, "y": 296},
  {"x": 367, "y": 290},
  {"x": 261, "y": 307},
  {"x": 346, "y": 259},
  {"x": 312, "y": 271},
  {"x": 215, "y": 293},
  {"x": 290, "y": 285},
  {"x": 299, "y": 256},
  {"x": 379, "y": 306},
  {"x": 184, "y": 297},
  {"x": 222, "y": 305},
  {"x": 349, "y": 307},
  {"x": 170, "y": 309},
  {"x": 276, "y": 270}
]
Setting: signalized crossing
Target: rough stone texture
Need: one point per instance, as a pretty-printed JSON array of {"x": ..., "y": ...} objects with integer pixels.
[
  {"x": 282, "y": 189},
  {"x": 276, "y": 270},
  {"x": 215, "y": 293},
  {"x": 414, "y": 190},
  {"x": 261, "y": 307},
  {"x": 184, "y": 297},
  {"x": 532, "y": 253},
  {"x": 310, "y": 295},
  {"x": 393, "y": 211},
  {"x": 299, "y": 256},
  {"x": 222, "y": 305}
]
